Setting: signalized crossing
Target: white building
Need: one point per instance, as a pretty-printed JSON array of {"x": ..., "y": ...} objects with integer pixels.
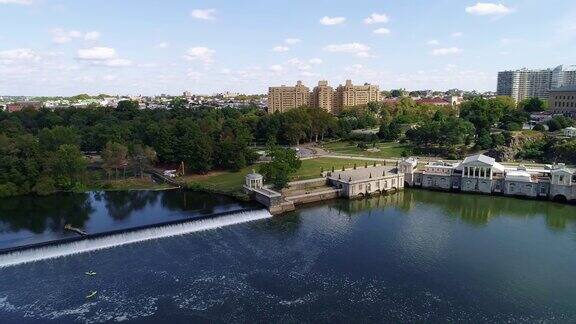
[
  {"x": 569, "y": 132},
  {"x": 522, "y": 84}
]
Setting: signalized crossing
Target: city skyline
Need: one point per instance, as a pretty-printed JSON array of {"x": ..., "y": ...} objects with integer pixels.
[{"x": 150, "y": 47}]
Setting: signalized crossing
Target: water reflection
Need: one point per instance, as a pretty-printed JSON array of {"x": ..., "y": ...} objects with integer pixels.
[
  {"x": 120, "y": 205},
  {"x": 475, "y": 210},
  {"x": 37, "y": 214},
  {"x": 31, "y": 219}
]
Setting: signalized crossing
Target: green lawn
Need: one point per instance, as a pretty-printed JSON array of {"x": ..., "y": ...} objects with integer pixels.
[
  {"x": 387, "y": 150},
  {"x": 227, "y": 181},
  {"x": 310, "y": 169}
]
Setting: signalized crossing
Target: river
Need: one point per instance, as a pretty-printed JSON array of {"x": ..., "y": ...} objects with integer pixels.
[{"x": 414, "y": 256}]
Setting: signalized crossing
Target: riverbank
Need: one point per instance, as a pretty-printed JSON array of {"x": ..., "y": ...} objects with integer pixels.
[
  {"x": 397, "y": 258},
  {"x": 230, "y": 183}
]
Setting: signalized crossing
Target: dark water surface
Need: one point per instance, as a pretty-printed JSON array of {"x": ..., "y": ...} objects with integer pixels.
[
  {"x": 411, "y": 257},
  {"x": 30, "y": 220}
]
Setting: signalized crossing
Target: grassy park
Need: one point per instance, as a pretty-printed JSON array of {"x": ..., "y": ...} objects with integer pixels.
[
  {"x": 387, "y": 150},
  {"x": 230, "y": 182}
]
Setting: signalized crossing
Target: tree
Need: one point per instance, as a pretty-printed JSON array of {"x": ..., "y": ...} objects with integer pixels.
[
  {"x": 194, "y": 147},
  {"x": 539, "y": 127},
  {"x": 115, "y": 157},
  {"x": 498, "y": 139},
  {"x": 45, "y": 186},
  {"x": 484, "y": 140},
  {"x": 66, "y": 166},
  {"x": 390, "y": 132},
  {"x": 141, "y": 158},
  {"x": 396, "y": 93},
  {"x": 51, "y": 139},
  {"x": 559, "y": 122},
  {"x": 283, "y": 166},
  {"x": 533, "y": 104}
]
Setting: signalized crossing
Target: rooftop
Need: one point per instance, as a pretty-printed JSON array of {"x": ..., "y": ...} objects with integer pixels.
[
  {"x": 565, "y": 88},
  {"x": 363, "y": 173}
]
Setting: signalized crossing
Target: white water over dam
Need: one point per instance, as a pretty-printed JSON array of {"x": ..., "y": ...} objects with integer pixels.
[{"x": 106, "y": 242}]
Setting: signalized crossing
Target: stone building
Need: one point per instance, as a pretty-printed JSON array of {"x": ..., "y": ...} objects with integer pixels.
[
  {"x": 562, "y": 101},
  {"x": 365, "y": 181},
  {"x": 349, "y": 95},
  {"x": 283, "y": 98},
  {"x": 17, "y": 106},
  {"x": 482, "y": 174},
  {"x": 438, "y": 175},
  {"x": 323, "y": 96}
]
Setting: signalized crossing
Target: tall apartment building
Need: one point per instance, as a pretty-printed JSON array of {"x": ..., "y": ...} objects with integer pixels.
[
  {"x": 563, "y": 75},
  {"x": 349, "y": 95},
  {"x": 322, "y": 96},
  {"x": 524, "y": 83},
  {"x": 284, "y": 98}
]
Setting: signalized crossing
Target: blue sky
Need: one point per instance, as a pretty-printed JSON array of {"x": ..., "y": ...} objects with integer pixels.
[{"x": 162, "y": 46}]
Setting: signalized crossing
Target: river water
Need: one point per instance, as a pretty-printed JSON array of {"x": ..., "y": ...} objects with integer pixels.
[{"x": 414, "y": 256}]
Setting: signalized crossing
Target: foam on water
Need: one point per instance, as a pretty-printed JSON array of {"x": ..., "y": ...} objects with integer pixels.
[{"x": 106, "y": 242}]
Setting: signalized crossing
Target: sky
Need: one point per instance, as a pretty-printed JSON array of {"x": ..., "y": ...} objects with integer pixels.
[{"x": 129, "y": 47}]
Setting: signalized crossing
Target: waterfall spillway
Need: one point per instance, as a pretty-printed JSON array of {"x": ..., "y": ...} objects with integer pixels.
[{"x": 100, "y": 242}]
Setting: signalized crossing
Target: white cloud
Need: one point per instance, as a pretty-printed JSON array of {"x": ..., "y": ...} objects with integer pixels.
[
  {"x": 203, "y": 14},
  {"x": 308, "y": 74},
  {"x": 19, "y": 54},
  {"x": 17, "y": 2},
  {"x": 292, "y": 41},
  {"x": 433, "y": 42},
  {"x": 457, "y": 34},
  {"x": 281, "y": 49},
  {"x": 193, "y": 75},
  {"x": 276, "y": 68},
  {"x": 300, "y": 65},
  {"x": 62, "y": 36},
  {"x": 200, "y": 53},
  {"x": 118, "y": 62},
  {"x": 359, "y": 49},
  {"x": 364, "y": 55},
  {"x": 354, "y": 68},
  {"x": 347, "y": 48},
  {"x": 330, "y": 21},
  {"x": 103, "y": 56},
  {"x": 315, "y": 61},
  {"x": 97, "y": 53},
  {"x": 382, "y": 31},
  {"x": 92, "y": 35},
  {"x": 487, "y": 8},
  {"x": 376, "y": 18},
  {"x": 446, "y": 51},
  {"x": 163, "y": 45}
]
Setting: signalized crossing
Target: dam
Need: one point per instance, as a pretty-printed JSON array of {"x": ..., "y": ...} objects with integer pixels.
[{"x": 111, "y": 220}]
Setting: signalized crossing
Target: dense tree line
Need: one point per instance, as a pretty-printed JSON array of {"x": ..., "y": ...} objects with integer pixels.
[{"x": 42, "y": 150}]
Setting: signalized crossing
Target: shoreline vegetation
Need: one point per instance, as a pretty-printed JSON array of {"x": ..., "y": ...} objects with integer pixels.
[
  {"x": 69, "y": 150},
  {"x": 230, "y": 183}
]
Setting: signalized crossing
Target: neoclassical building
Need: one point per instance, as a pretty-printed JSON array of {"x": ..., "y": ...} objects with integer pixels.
[
  {"x": 364, "y": 181},
  {"x": 482, "y": 174}
]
